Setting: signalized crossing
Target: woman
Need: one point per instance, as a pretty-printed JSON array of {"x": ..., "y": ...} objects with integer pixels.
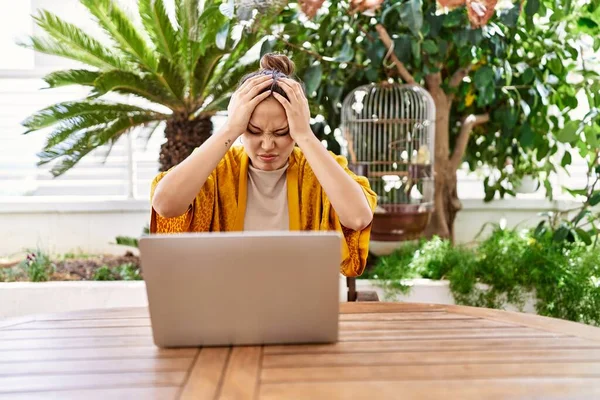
[{"x": 282, "y": 178}]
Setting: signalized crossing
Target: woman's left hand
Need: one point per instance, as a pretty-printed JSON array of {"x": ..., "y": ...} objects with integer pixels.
[{"x": 296, "y": 109}]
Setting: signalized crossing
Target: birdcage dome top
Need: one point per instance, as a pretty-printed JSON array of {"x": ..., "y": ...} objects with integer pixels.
[{"x": 388, "y": 101}]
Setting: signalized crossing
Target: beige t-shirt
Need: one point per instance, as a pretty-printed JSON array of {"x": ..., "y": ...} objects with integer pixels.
[{"x": 266, "y": 204}]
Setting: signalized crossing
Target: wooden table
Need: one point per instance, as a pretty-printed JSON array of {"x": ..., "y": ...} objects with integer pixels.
[{"x": 386, "y": 351}]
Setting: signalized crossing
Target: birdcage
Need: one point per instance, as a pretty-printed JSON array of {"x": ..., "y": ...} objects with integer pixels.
[{"x": 388, "y": 136}]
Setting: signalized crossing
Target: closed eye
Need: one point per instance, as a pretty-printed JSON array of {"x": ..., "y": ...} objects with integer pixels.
[{"x": 278, "y": 134}]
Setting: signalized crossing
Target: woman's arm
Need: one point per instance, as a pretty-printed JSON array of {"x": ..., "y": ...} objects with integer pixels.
[
  {"x": 177, "y": 189},
  {"x": 346, "y": 195}
]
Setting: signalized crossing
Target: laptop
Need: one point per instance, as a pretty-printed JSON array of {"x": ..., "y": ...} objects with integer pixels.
[{"x": 242, "y": 288}]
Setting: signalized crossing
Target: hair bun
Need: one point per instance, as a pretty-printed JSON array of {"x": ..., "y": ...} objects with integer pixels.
[{"x": 278, "y": 62}]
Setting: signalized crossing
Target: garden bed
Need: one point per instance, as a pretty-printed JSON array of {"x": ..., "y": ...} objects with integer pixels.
[{"x": 37, "y": 266}]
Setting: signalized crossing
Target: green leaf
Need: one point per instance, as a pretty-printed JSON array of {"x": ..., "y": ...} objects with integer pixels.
[
  {"x": 555, "y": 66},
  {"x": 583, "y": 213},
  {"x": 454, "y": 18},
  {"x": 430, "y": 47},
  {"x": 416, "y": 52},
  {"x": 376, "y": 52},
  {"x": 532, "y": 7},
  {"x": 186, "y": 12},
  {"x": 528, "y": 75},
  {"x": 511, "y": 16},
  {"x": 347, "y": 53},
  {"x": 561, "y": 234},
  {"x": 146, "y": 86},
  {"x": 71, "y": 77},
  {"x": 120, "y": 28},
  {"x": 595, "y": 199},
  {"x": 67, "y": 40},
  {"x": 402, "y": 48},
  {"x": 411, "y": 14},
  {"x": 312, "y": 78},
  {"x": 592, "y": 136},
  {"x": 68, "y": 154},
  {"x": 584, "y": 236},
  {"x": 226, "y": 84},
  {"x": 576, "y": 192},
  {"x": 587, "y": 25},
  {"x": 127, "y": 241},
  {"x": 170, "y": 76},
  {"x": 222, "y": 36},
  {"x": 566, "y": 159},
  {"x": 569, "y": 133},
  {"x": 159, "y": 27},
  {"x": 487, "y": 94},
  {"x": 72, "y": 109},
  {"x": 527, "y": 136},
  {"x": 483, "y": 77}
]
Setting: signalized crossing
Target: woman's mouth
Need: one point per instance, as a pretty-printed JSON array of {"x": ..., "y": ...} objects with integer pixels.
[{"x": 267, "y": 157}]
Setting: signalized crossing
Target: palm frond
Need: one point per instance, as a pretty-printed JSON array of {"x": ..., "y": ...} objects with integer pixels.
[
  {"x": 222, "y": 89},
  {"x": 159, "y": 27},
  {"x": 82, "y": 77},
  {"x": 147, "y": 86},
  {"x": 66, "y": 128},
  {"x": 170, "y": 76},
  {"x": 74, "y": 37},
  {"x": 52, "y": 47},
  {"x": 203, "y": 71},
  {"x": 232, "y": 61},
  {"x": 184, "y": 21},
  {"x": 69, "y": 153},
  {"x": 120, "y": 28},
  {"x": 71, "y": 109},
  {"x": 193, "y": 28}
]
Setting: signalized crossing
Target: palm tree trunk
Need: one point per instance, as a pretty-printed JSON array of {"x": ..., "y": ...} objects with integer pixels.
[{"x": 183, "y": 136}]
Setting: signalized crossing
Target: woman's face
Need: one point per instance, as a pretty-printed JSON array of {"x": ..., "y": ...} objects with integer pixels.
[{"x": 267, "y": 139}]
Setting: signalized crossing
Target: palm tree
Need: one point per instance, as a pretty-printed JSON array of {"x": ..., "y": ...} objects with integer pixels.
[{"x": 188, "y": 64}]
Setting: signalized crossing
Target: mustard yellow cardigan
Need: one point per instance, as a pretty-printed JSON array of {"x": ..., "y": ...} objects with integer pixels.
[{"x": 221, "y": 205}]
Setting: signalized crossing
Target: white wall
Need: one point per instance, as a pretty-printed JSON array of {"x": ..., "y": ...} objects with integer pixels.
[{"x": 91, "y": 226}]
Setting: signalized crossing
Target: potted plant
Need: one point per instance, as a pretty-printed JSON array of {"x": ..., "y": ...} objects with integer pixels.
[{"x": 526, "y": 174}]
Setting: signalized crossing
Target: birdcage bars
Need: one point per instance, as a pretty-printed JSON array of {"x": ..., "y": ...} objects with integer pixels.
[{"x": 388, "y": 137}]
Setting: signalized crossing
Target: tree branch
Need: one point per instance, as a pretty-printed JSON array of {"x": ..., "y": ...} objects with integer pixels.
[
  {"x": 458, "y": 76},
  {"x": 456, "y": 79},
  {"x": 387, "y": 41},
  {"x": 460, "y": 147}
]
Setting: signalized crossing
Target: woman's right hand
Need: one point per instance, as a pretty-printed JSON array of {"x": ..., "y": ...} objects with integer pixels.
[{"x": 244, "y": 100}]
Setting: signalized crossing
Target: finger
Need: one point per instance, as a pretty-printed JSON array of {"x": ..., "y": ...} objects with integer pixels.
[
  {"x": 252, "y": 92},
  {"x": 284, "y": 102},
  {"x": 259, "y": 98},
  {"x": 287, "y": 88},
  {"x": 255, "y": 80},
  {"x": 296, "y": 86}
]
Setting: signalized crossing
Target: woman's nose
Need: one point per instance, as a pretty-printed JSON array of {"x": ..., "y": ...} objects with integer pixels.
[{"x": 267, "y": 142}]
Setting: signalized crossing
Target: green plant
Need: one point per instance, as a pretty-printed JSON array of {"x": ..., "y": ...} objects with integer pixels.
[
  {"x": 500, "y": 88},
  {"x": 104, "y": 273},
  {"x": 127, "y": 241},
  {"x": 38, "y": 266},
  {"x": 185, "y": 67},
  {"x": 129, "y": 272},
  {"x": 509, "y": 266}
]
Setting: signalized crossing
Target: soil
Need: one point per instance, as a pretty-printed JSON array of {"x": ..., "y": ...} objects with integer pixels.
[
  {"x": 82, "y": 268},
  {"x": 85, "y": 268}
]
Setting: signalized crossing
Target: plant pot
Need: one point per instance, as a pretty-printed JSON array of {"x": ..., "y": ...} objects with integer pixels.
[
  {"x": 528, "y": 184},
  {"x": 399, "y": 222}
]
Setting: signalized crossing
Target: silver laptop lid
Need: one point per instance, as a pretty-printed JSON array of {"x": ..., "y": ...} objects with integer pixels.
[{"x": 208, "y": 289}]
